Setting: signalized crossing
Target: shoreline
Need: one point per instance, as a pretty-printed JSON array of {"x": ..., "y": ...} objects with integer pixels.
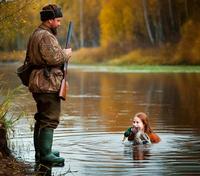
[
  {"x": 126, "y": 68},
  {"x": 12, "y": 166},
  {"x": 138, "y": 68}
]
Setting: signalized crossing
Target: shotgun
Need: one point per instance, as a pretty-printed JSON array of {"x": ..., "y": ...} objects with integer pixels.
[{"x": 64, "y": 84}]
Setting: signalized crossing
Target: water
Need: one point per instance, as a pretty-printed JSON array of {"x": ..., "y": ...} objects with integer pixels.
[{"x": 99, "y": 109}]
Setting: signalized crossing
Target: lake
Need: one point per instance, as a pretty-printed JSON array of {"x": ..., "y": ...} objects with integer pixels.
[{"x": 99, "y": 108}]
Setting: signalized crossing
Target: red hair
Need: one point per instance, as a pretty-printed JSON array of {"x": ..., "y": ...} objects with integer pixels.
[{"x": 145, "y": 120}]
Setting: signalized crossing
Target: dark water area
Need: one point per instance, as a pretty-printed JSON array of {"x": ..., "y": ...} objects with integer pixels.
[{"x": 99, "y": 109}]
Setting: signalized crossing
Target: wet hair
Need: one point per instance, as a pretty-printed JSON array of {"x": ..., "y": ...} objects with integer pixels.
[
  {"x": 50, "y": 11},
  {"x": 145, "y": 120}
]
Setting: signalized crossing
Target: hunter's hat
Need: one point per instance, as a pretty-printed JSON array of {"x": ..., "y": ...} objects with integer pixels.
[{"x": 50, "y": 11}]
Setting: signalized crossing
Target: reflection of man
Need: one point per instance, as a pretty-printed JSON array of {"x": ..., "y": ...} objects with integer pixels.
[{"x": 45, "y": 80}]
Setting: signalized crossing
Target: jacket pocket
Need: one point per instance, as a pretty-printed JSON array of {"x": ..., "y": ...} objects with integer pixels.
[{"x": 40, "y": 83}]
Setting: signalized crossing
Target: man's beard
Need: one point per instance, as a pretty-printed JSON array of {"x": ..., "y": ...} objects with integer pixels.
[{"x": 54, "y": 31}]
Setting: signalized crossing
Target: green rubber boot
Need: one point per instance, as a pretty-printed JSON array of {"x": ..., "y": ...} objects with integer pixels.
[
  {"x": 45, "y": 145},
  {"x": 36, "y": 145}
]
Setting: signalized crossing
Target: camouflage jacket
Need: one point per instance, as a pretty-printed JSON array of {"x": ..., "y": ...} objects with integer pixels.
[{"x": 44, "y": 51}]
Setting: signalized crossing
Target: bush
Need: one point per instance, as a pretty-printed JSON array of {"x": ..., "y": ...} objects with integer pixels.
[
  {"x": 188, "y": 50},
  {"x": 89, "y": 55},
  {"x": 153, "y": 56},
  {"x": 12, "y": 56}
]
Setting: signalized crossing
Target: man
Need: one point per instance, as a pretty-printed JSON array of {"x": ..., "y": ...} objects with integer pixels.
[{"x": 45, "y": 53}]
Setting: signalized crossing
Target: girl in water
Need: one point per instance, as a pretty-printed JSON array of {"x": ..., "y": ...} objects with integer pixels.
[{"x": 141, "y": 132}]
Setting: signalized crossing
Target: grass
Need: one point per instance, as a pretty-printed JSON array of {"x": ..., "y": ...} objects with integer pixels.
[
  {"x": 89, "y": 55},
  {"x": 7, "y": 118},
  {"x": 12, "y": 56},
  {"x": 145, "y": 57},
  {"x": 9, "y": 165},
  {"x": 163, "y": 69},
  {"x": 138, "y": 68},
  {"x": 108, "y": 59}
]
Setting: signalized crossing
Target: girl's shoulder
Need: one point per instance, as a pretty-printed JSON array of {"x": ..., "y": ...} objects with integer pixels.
[{"x": 154, "y": 138}]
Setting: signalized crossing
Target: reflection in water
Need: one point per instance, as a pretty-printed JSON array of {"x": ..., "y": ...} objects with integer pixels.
[
  {"x": 138, "y": 152},
  {"x": 98, "y": 110}
]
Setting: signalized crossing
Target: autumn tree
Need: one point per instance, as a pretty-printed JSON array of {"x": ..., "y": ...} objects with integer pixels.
[
  {"x": 17, "y": 20},
  {"x": 122, "y": 23},
  {"x": 84, "y": 14}
]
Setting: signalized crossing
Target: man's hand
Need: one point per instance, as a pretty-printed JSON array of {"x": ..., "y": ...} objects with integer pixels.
[{"x": 68, "y": 52}]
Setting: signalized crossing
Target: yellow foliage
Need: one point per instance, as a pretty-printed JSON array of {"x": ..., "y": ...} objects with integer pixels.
[
  {"x": 137, "y": 56},
  {"x": 12, "y": 56},
  {"x": 188, "y": 49},
  {"x": 195, "y": 52},
  {"x": 152, "y": 56},
  {"x": 119, "y": 20},
  {"x": 18, "y": 19},
  {"x": 89, "y": 55}
]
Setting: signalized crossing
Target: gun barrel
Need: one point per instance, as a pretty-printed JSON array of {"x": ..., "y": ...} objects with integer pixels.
[
  {"x": 64, "y": 84},
  {"x": 69, "y": 34}
]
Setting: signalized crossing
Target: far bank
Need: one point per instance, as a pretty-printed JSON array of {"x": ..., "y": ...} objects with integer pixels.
[{"x": 164, "y": 56}]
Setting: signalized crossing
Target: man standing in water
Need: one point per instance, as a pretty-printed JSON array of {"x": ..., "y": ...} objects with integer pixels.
[{"x": 47, "y": 56}]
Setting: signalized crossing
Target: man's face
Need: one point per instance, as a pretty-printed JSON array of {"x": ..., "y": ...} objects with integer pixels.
[{"x": 54, "y": 24}]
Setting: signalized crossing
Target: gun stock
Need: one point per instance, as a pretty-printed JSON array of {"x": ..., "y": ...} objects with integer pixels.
[
  {"x": 64, "y": 84},
  {"x": 64, "y": 89}
]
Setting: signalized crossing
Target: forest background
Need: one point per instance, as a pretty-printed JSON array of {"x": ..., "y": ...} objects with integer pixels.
[{"x": 116, "y": 32}]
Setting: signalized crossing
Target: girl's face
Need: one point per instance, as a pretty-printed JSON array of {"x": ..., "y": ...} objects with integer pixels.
[{"x": 137, "y": 122}]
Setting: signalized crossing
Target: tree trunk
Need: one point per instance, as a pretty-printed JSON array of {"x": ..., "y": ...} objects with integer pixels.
[
  {"x": 81, "y": 24},
  {"x": 186, "y": 9},
  {"x": 144, "y": 2},
  {"x": 160, "y": 35},
  {"x": 75, "y": 39},
  {"x": 171, "y": 14}
]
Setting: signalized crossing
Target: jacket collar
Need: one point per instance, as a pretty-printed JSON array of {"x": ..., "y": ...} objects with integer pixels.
[{"x": 43, "y": 26}]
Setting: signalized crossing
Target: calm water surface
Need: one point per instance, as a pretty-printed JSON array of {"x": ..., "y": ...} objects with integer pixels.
[{"x": 97, "y": 112}]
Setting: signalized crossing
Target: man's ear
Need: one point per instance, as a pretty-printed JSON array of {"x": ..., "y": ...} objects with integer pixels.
[{"x": 50, "y": 21}]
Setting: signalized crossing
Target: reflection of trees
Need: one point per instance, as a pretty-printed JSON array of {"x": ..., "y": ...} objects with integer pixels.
[
  {"x": 109, "y": 100},
  {"x": 127, "y": 94},
  {"x": 117, "y": 95},
  {"x": 83, "y": 97},
  {"x": 187, "y": 99},
  {"x": 167, "y": 96}
]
